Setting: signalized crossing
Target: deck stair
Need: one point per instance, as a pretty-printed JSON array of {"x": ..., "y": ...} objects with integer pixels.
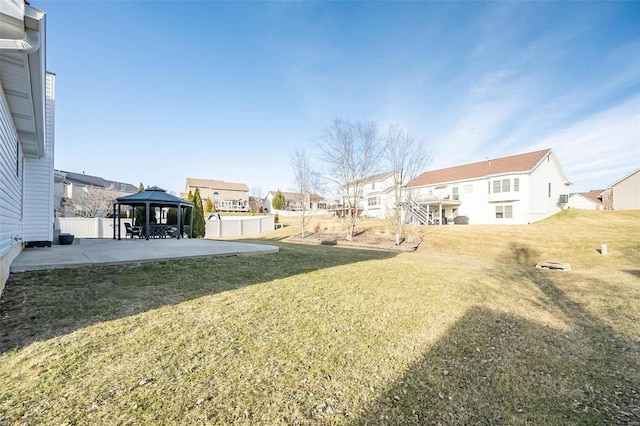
[{"x": 418, "y": 214}]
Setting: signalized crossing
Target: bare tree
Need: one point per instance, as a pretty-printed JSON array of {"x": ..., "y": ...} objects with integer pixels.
[
  {"x": 258, "y": 195},
  {"x": 306, "y": 183},
  {"x": 406, "y": 157},
  {"x": 95, "y": 201},
  {"x": 350, "y": 152}
]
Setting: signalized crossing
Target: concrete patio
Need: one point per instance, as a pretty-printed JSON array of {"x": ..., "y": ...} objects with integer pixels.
[{"x": 87, "y": 252}]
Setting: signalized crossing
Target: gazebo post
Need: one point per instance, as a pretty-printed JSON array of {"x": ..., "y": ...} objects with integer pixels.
[
  {"x": 179, "y": 214},
  {"x": 114, "y": 220},
  {"x": 120, "y": 221},
  {"x": 146, "y": 211}
]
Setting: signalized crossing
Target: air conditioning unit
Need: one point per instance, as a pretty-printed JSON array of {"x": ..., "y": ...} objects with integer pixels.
[{"x": 564, "y": 199}]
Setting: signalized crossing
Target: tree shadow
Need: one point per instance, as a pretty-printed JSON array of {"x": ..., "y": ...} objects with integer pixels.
[
  {"x": 497, "y": 368},
  {"x": 40, "y": 305},
  {"x": 634, "y": 272}
]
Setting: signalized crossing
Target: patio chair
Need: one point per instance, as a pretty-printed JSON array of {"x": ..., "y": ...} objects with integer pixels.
[{"x": 133, "y": 231}]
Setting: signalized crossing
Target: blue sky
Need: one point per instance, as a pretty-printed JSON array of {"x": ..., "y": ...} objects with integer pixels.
[{"x": 156, "y": 92}]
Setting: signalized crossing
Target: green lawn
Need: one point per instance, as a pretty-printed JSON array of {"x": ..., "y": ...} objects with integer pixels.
[{"x": 463, "y": 331}]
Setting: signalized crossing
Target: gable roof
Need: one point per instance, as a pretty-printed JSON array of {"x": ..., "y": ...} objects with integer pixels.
[
  {"x": 512, "y": 164},
  {"x": 624, "y": 178},
  {"x": 153, "y": 195},
  {"x": 594, "y": 195},
  {"x": 379, "y": 176},
  {"x": 591, "y": 196},
  {"x": 216, "y": 184},
  {"x": 97, "y": 181}
]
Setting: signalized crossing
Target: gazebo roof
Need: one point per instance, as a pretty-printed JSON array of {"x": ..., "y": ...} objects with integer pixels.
[{"x": 153, "y": 195}]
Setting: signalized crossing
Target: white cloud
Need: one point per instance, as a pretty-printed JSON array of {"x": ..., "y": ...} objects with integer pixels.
[{"x": 596, "y": 150}]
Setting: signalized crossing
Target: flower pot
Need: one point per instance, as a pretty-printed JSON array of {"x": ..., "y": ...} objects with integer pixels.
[{"x": 65, "y": 239}]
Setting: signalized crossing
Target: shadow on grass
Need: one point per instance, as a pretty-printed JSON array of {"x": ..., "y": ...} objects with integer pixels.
[
  {"x": 496, "y": 368},
  {"x": 634, "y": 272},
  {"x": 43, "y": 304}
]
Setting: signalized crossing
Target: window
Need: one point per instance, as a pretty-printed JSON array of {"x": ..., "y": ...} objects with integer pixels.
[
  {"x": 373, "y": 201},
  {"x": 216, "y": 196},
  {"x": 508, "y": 212},
  {"x": 549, "y": 189},
  {"x": 516, "y": 184},
  {"x": 504, "y": 212},
  {"x": 454, "y": 192},
  {"x": 373, "y": 185},
  {"x": 489, "y": 184},
  {"x": 503, "y": 185}
]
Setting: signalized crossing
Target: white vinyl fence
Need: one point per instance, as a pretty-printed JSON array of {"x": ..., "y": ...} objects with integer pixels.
[
  {"x": 82, "y": 227},
  {"x": 297, "y": 213},
  {"x": 228, "y": 226},
  {"x": 231, "y": 226}
]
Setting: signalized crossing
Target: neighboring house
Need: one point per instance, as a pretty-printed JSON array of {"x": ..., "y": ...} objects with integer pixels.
[
  {"x": 626, "y": 192},
  {"x": 27, "y": 102},
  {"x": 606, "y": 197},
  {"x": 518, "y": 189},
  {"x": 70, "y": 188},
  {"x": 376, "y": 198},
  {"x": 586, "y": 200},
  {"x": 226, "y": 196},
  {"x": 293, "y": 203}
]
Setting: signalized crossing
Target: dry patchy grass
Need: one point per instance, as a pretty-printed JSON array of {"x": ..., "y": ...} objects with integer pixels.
[{"x": 463, "y": 331}]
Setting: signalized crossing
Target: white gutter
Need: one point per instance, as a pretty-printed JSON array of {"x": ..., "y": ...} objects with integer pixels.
[{"x": 29, "y": 44}]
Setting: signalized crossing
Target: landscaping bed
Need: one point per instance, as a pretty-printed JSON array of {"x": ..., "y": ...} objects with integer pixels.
[{"x": 365, "y": 239}]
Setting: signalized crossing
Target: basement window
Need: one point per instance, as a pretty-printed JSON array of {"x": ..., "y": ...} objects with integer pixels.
[{"x": 504, "y": 212}]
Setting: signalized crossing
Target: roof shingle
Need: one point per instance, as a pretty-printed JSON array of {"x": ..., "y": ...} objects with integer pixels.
[
  {"x": 514, "y": 163},
  {"x": 216, "y": 184}
]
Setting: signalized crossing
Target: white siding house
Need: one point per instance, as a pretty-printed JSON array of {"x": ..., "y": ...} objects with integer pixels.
[
  {"x": 518, "y": 189},
  {"x": 585, "y": 200},
  {"x": 378, "y": 196},
  {"x": 26, "y": 133},
  {"x": 293, "y": 204},
  {"x": 375, "y": 194}
]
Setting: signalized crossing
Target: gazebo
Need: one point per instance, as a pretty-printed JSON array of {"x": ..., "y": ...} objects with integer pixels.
[{"x": 153, "y": 198}]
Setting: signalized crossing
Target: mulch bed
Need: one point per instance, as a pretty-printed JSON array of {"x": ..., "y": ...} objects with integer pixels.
[{"x": 362, "y": 240}]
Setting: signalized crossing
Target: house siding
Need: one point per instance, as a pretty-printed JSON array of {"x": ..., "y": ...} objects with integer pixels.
[
  {"x": 383, "y": 189},
  {"x": 577, "y": 201},
  {"x": 542, "y": 202},
  {"x": 483, "y": 203},
  {"x": 38, "y": 183},
  {"x": 11, "y": 184},
  {"x": 626, "y": 193}
]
